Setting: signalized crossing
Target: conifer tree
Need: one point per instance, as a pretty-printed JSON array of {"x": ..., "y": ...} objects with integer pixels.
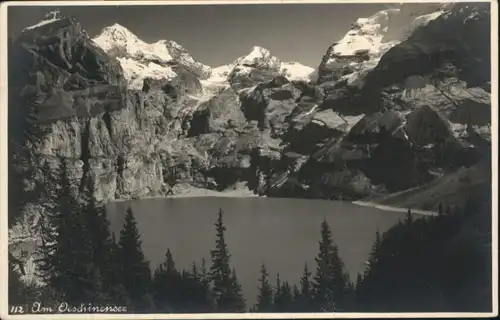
[
  {"x": 237, "y": 299},
  {"x": 220, "y": 270},
  {"x": 169, "y": 264},
  {"x": 374, "y": 254},
  {"x": 204, "y": 274},
  {"x": 265, "y": 296},
  {"x": 72, "y": 232},
  {"x": 306, "y": 295},
  {"x": 135, "y": 273},
  {"x": 63, "y": 239},
  {"x": 284, "y": 298},
  {"x": 189, "y": 292},
  {"x": 205, "y": 287},
  {"x": 331, "y": 281},
  {"x": 358, "y": 292},
  {"x": 277, "y": 291},
  {"x": 196, "y": 291},
  {"x": 296, "y": 298},
  {"x": 113, "y": 277},
  {"x": 194, "y": 271},
  {"x": 171, "y": 288},
  {"x": 101, "y": 267}
]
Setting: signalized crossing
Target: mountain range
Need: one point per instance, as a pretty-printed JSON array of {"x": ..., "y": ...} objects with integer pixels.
[{"x": 392, "y": 115}]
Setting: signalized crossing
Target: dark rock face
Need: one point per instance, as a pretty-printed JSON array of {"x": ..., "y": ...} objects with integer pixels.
[
  {"x": 426, "y": 125},
  {"x": 269, "y": 103},
  {"x": 72, "y": 77},
  {"x": 245, "y": 77},
  {"x": 373, "y": 127},
  {"x": 220, "y": 113}
]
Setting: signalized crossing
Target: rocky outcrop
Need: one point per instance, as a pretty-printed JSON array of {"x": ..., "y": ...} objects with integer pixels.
[
  {"x": 220, "y": 113},
  {"x": 269, "y": 103}
]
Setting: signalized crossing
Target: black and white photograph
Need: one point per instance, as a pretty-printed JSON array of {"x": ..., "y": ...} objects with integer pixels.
[{"x": 249, "y": 159}]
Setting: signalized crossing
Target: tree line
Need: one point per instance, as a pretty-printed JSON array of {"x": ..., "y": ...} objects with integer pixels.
[{"x": 426, "y": 264}]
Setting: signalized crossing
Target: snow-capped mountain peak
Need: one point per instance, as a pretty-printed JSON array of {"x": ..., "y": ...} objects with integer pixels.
[
  {"x": 369, "y": 38},
  {"x": 366, "y": 34},
  {"x": 259, "y": 57},
  {"x": 117, "y": 32},
  {"x": 141, "y": 60},
  {"x": 119, "y": 37},
  {"x": 378, "y": 33}
]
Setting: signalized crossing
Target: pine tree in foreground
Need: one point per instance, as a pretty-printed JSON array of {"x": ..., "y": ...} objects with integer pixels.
[
  {"x": 64, "y": 265},
  {"x": 205, "y": 289},
  {"x": 113, "y": 277},
  {"x": 101, "y": 268},
  {"x": 237, "y": 299},
  {"x": 277, "y": 291},
  {"x": 284, "y": 298},
  {"x": 220, "y": 270},
  {"x": 296, "y": 298},
  {"x": 305, "y": 298},
  {"x": 196, "y": 291},
  {"x": 374, "y": 254},
  {"x": 331, "y": 282},
  {"x": 265, "y": 295},
  {"x": 135, "y": 272}
]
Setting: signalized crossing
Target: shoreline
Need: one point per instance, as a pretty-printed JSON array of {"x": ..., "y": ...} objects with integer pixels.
[
  {"x": 393, "y": 208},
  {"x": 244, "y": 192},
  {"x": 193, "y": 192}
]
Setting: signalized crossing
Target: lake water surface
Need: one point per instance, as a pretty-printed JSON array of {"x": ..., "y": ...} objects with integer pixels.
[{"x": 282, "y": 233}]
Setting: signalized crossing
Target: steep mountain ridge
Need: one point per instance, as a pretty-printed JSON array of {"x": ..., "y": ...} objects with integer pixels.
[{"x": 140, "y": 120}]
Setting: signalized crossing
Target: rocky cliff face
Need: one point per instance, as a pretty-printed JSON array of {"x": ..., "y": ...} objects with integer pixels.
[{"x": 388, "y": 113}]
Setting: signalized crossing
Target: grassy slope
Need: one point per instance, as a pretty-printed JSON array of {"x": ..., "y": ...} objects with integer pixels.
[{"x": 448, "y": 189}]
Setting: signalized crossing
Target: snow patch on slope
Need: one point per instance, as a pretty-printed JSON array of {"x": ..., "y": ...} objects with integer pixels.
[
  {"x": 135, "y": 72},
  {"x": 217, "y": 81},
  {"x": 296, "y": 71}
]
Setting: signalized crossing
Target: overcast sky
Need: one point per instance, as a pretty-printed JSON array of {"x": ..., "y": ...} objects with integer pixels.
[{"x": 218, "y": 34}]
